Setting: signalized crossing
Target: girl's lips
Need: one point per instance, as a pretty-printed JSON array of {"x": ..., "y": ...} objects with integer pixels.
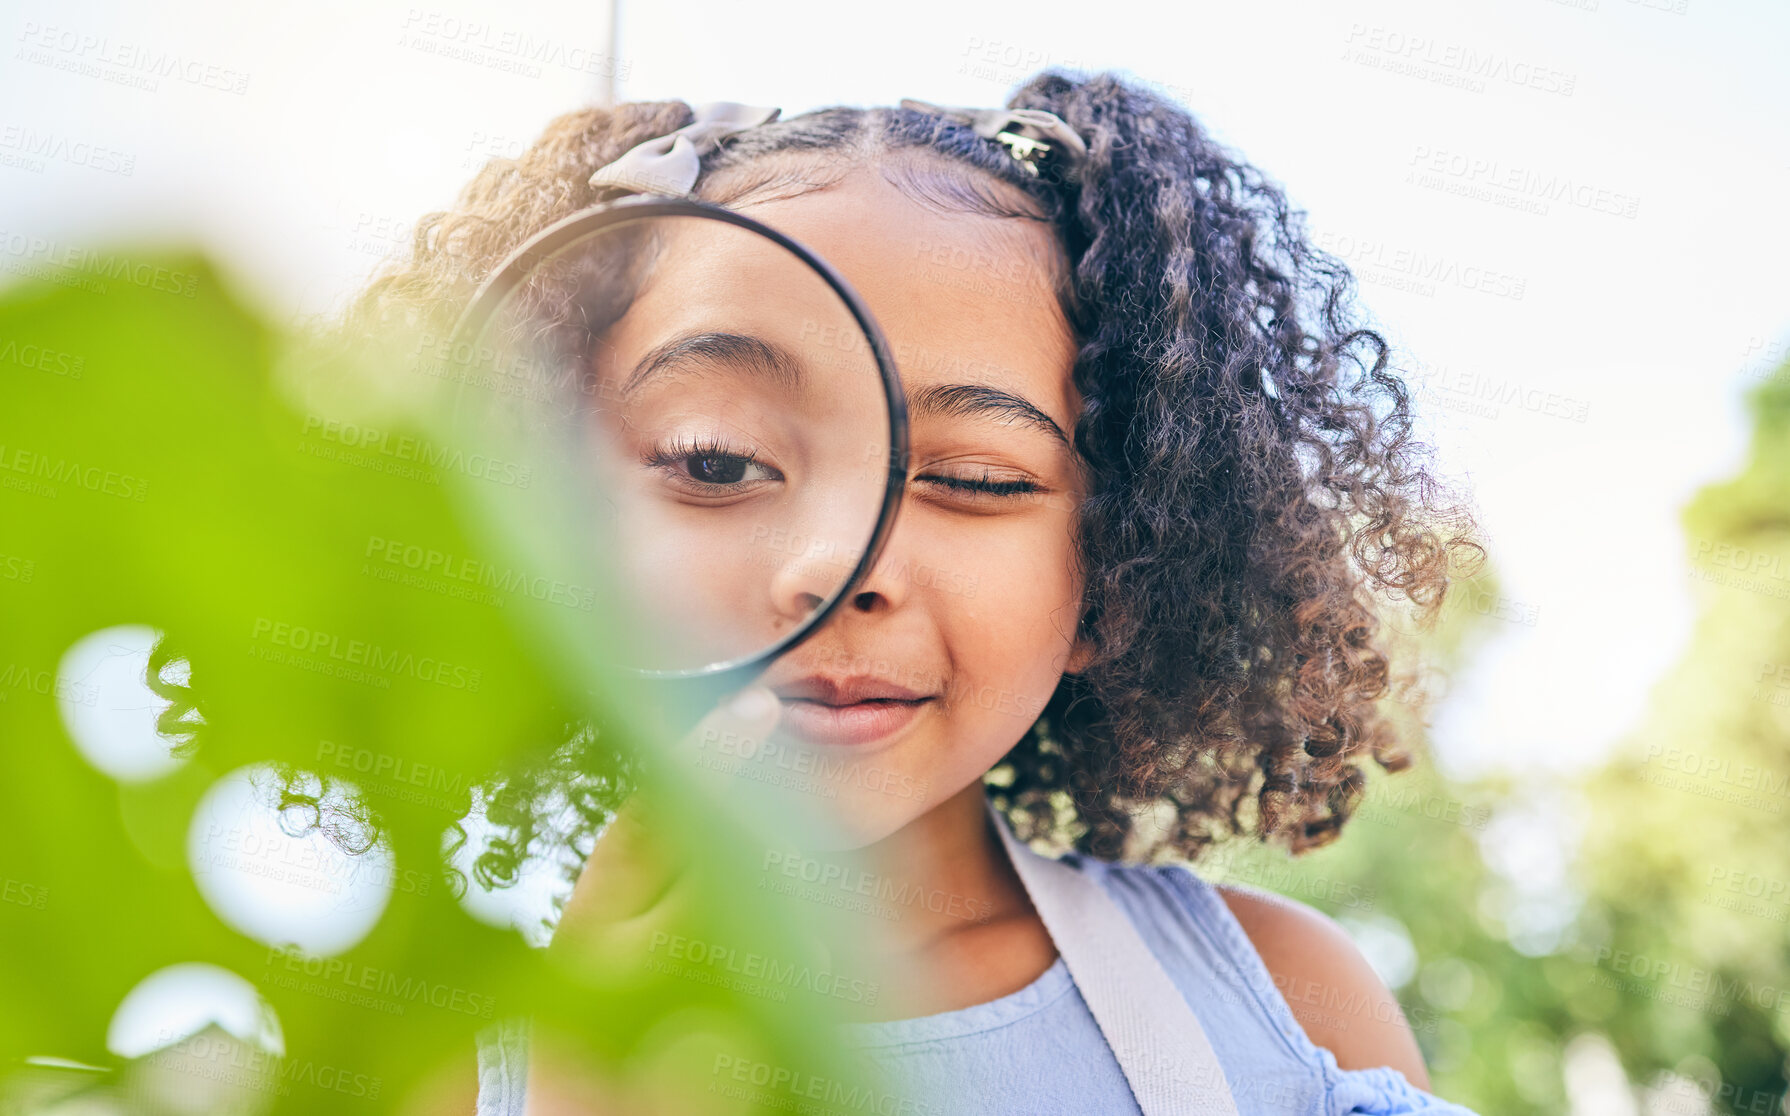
[{"x": 856, "y": 725}]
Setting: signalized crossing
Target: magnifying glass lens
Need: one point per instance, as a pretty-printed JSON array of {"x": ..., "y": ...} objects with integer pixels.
[{"x": 710, "y": 410}]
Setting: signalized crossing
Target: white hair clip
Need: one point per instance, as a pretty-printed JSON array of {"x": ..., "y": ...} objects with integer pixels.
[{"x": 669, "y": 164}]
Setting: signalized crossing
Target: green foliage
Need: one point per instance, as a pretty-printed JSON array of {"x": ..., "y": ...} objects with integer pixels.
[{"x": 167, "y": 460}]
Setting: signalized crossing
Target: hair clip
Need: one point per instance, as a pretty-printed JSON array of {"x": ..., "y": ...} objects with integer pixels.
[
  {"x": 1028, "y": 134},
  {"x": 1025, "y": 149},
  {"x": 670, "y": 164}
]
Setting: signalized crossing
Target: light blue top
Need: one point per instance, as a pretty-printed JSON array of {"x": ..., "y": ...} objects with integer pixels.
[{"x": 1039, "y": 1052}]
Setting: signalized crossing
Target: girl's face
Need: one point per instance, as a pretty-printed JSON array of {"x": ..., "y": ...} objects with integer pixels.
[{"x": 950, "y": 648}]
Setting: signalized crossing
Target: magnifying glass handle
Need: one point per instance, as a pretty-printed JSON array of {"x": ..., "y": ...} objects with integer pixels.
[{"x": 676, "y": 704}]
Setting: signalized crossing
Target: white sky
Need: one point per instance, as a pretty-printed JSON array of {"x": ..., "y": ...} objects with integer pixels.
[{"x": 358, "y": 117}]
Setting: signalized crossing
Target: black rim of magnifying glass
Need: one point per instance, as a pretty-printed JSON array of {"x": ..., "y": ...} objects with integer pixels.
[{"x": 555, "y": 238}]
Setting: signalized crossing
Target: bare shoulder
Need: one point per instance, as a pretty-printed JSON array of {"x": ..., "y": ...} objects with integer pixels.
[{"x": 1335, "y": 994}]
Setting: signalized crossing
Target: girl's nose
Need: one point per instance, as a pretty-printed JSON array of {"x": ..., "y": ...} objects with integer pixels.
[{"x": 802, "y": 584}]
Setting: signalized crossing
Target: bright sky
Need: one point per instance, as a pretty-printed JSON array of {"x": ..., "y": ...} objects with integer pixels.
[{"x": 1649, "y": 293}]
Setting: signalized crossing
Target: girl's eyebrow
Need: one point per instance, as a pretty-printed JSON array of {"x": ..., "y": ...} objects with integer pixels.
[
  {"x": 702, "y": 350},
  {"x": 705, "y": 350},
  {"x": 980, "y": 399}
]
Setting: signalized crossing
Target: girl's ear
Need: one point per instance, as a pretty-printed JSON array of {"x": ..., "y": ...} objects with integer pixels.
[{"x": 1081, "y": 652}]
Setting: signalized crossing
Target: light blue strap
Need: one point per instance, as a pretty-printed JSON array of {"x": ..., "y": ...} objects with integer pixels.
[
  {"x": 1156, "y": 1038},
  {"x": 503, "y": 1068}
]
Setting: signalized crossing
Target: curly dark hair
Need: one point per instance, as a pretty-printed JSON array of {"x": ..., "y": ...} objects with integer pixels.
[{"x": 1253, "y": 474}]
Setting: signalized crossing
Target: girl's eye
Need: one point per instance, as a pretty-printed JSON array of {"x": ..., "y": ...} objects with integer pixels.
[
  {"x": 984, "y": 485},
  {"x": 721, "y": 468},
  {"x": 710, "y": 467}
]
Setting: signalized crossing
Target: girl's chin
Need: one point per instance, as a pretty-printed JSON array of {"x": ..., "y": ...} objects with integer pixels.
[
  {"x": 852, "y": 819},
  {"x": 856, "y": 820}
]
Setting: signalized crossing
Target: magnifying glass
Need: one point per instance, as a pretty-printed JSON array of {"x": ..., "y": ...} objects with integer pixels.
[{"x": 712, "y": 410}]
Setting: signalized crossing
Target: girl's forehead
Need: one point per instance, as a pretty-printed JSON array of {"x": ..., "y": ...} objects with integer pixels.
[
  {"x": 921, "y": 213},
  {"x": 952, "y": 286}
]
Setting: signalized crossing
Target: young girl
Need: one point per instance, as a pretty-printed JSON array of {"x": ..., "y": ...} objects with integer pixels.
[{"x": 1153, "y": 523}]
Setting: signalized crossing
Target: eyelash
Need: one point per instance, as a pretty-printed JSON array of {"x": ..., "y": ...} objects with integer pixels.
[
  {"x": 686, "y": 447},
  {"x": 985, "y": 484}
]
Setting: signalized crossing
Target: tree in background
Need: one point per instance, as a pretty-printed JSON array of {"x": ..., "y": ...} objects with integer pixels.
[
  {"x": 1687, "y": 849},
  {"x": 1552, "y": 943}
]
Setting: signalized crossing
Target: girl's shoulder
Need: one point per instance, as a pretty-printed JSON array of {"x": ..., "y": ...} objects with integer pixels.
[
  {"x": 1244, "y": 957},
  {"x": 1339, "y": 1000}
]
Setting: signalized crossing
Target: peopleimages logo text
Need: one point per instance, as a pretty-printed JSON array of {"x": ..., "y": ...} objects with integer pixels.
[
  {"x": 360, "y": 653},
  {"x": 433, "y": 562},
  {"x": 410, "y": 449}
]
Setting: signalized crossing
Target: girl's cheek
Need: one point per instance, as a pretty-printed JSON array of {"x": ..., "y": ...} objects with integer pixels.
[
  {"x": 1028, "y": 581},
  {"x": 1010, "y": 642},
  {"x": 1004, "y": 596}
]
